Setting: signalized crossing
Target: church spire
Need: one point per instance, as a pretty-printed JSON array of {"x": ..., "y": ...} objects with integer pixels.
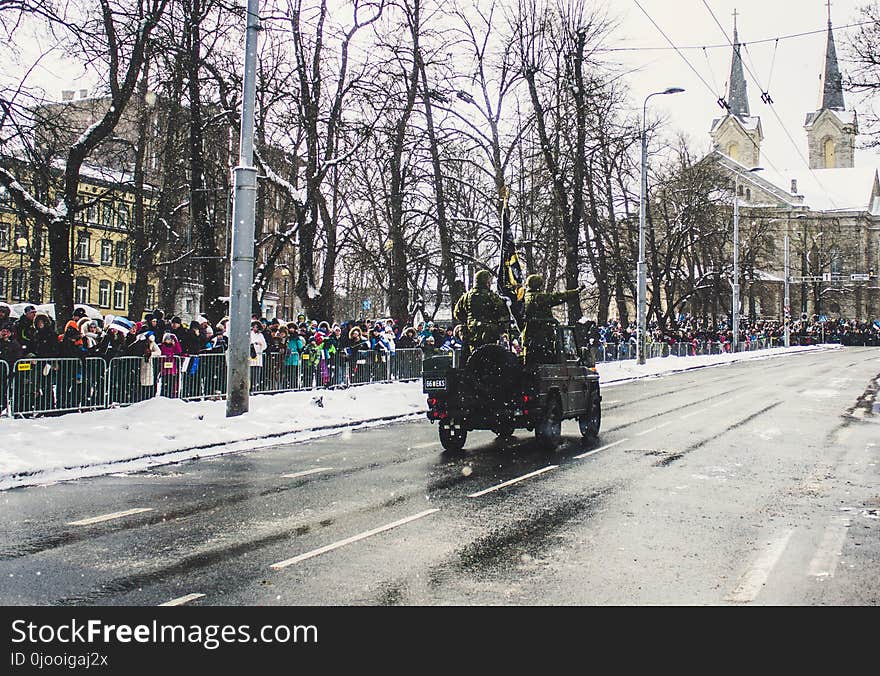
[
  {"x": 737, "y": 96},
  {"x": 832, "y": 81}
]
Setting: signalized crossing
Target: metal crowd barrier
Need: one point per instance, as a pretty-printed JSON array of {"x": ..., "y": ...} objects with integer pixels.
[
  {"x": 57, "y": 385},
  {"x": 4, "y": 386}
]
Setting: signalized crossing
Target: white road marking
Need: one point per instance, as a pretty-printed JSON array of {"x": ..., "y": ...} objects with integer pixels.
[
  {"x": 181, "y": 600},
  {"x": 825, "y": 561},
  {"x": 513, "y": 481},
  {"x": 596, "y": 450},
  {"x": 693, "y": 413},
  {"x": 756, "y": 577},
  {"x": 428, "y": 445},
  {"x": 306, "y": 472},
  {"x": 653, "y": 429},
  {"x": 348, "y": 541},
  {"x": 109, "y": 517},
  {"x": 616, "y": 401}
]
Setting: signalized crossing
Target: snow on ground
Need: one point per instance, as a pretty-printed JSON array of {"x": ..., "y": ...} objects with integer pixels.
[{"x": 159, "y": 431}]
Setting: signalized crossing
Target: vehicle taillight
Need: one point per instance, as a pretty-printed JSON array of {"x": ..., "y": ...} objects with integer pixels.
[
  {"x": 432, "y": 401},
  {"x": 526, "y": 399}
]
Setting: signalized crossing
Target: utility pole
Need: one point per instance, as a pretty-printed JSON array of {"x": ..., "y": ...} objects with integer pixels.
[
  {"x": 238, "y": 373},
  {"x": 786, "y": 316}
]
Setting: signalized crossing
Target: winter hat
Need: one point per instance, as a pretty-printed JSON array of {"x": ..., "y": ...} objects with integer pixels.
[
  {"x": 31, "y": 308},
  {"x": 78, "y": 312},
  {"x": 169, "y": 336},
  {"x": 176, "y": 320}
]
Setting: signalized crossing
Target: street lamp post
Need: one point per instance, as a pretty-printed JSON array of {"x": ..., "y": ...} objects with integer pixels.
[
  {"x": 786, "y": 310},
  {"x": 643, "y": 199},
  {"x": 243, "y": 210},
  {"x": 21, "y": 244},
  {"x": 734, "y": 301}
]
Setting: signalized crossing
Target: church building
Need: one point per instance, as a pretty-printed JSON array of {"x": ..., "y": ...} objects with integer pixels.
[{"x": 828, "y": 207}]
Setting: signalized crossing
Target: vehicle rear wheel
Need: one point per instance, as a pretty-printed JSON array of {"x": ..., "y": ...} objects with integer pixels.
[
  {"x": 590, "y": 422},
  {"x": 505, "y": 430},
  {"x": 452, "y": 435},
  {"x": 549, "y": 430}
]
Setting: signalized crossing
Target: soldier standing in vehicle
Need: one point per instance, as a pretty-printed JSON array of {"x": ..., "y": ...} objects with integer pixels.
[
  {"x": 538, "y": 333},
  {"x": 483, "y": 315}
]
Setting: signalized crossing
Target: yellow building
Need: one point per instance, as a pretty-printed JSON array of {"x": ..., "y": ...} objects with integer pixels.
[{"x": 101, "y": 251}]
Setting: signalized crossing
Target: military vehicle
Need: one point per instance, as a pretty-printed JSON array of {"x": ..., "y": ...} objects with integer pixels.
[{"x": 494, "y": 391}]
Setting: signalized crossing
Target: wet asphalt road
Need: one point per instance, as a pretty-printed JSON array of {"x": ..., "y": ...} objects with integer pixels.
[{"x": 755, "y": 483}]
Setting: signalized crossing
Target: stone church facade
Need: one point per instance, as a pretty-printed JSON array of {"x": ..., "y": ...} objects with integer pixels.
[{"x": 829, "y": 211}]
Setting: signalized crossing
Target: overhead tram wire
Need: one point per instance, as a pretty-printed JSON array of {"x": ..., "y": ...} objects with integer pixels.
[
  {"x": 722, "y": 102},
  {"x": 724, "y": 46},
  {"x": 769, "y": 102}
]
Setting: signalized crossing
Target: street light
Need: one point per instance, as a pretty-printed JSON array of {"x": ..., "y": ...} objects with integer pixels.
[
  {"x": 734, "y": 303},
  {"x": 21, "y": 244},
  {"x": 642, "y": 272}
]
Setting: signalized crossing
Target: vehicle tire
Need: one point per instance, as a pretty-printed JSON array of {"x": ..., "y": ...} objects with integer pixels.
[
  {"x": 505, "y": 430},
  {"x": 452, "y": 438},
  {"x": 590, "y": 422},
  {"x": 549, "y": 431}
]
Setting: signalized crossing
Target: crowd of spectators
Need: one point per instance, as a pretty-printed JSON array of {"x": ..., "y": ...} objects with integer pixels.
[
  {"x": 308, "y": 342},
  {"x": 689, "y": 330}
]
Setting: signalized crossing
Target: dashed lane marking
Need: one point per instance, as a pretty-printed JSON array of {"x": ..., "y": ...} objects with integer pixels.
[
  {"x": 428, "y": 445},
  {"x": 597, "y": 450},
  {"x": 514, "y": 481},
  {"x": 654, "y": 429},
  {"x": 306, "y": 472},
  {"x": 182, "y": 600},
  {"x": 824, "y": 562},
  {"x": 756, "y": 577},
  {"x": 109, "y": 517},
  {"x": 347, "y": 541}
]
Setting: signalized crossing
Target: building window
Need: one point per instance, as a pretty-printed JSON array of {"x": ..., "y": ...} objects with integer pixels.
[
  {"x": 92, "y": 214},
  {"x": 123, "y": 215},
  {"x": 83, "y": 246},
  {"x": 120, "y": 254},
  {"x": 748, "y": 194},
  {"x": 836, "y": 262},
  {"x": 119, "y": 296},
  {"x": 107, "y": 214},
  {"x": 104, "y": 293},
  {"x": 4, "y": 236},
  {"x": 106, "y": 252},
  {"x": 19, "y": 281},
  {"x": 81, "y": 291},
  {"x": 830, "y": 154},
  {"x": 151, "y": 296},
  {"x": 733, "y": 151},
  {"x": 4, "y": 276}
]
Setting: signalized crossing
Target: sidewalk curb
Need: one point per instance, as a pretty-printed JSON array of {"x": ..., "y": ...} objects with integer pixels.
[{"x": 34, "y": 477}]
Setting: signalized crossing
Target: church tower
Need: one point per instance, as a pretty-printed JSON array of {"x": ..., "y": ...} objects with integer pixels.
[
  {"x": 831, "y": 130},
  {"x": 738, "y": 135}
]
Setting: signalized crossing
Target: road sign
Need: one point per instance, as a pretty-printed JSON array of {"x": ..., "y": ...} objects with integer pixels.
[
  {"x": 859, "y": 277},
  {"x": 812, "y": 278},
  {"x": 823, "y": 319},
  {"x": 366, "y": 305},
  {"x": 826, "y": 276}
]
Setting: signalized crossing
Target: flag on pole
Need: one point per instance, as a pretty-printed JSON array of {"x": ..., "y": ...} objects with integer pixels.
[{"x": 510, "y": 276}]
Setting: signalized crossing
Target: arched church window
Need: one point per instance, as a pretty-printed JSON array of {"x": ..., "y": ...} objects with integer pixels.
[
  {"x": 830, "y": 159},
  {"x": 733, "y": 151}
]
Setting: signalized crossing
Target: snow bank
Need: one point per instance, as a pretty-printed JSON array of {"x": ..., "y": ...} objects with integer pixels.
[{"x": 163, "y": 430}]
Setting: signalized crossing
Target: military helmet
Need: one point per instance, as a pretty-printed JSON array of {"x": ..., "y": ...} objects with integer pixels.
[
  {"x": 482, "y": 278},
  {"x": 535, "y": 282}
]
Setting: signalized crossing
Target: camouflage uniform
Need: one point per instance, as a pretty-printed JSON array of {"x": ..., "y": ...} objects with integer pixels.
[
  {"x": 483, "y": 315},
  {"x": 539, "y": 329}
]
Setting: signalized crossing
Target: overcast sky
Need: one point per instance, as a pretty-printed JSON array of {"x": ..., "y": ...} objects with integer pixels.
[{"x": 793, "y": 83}]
